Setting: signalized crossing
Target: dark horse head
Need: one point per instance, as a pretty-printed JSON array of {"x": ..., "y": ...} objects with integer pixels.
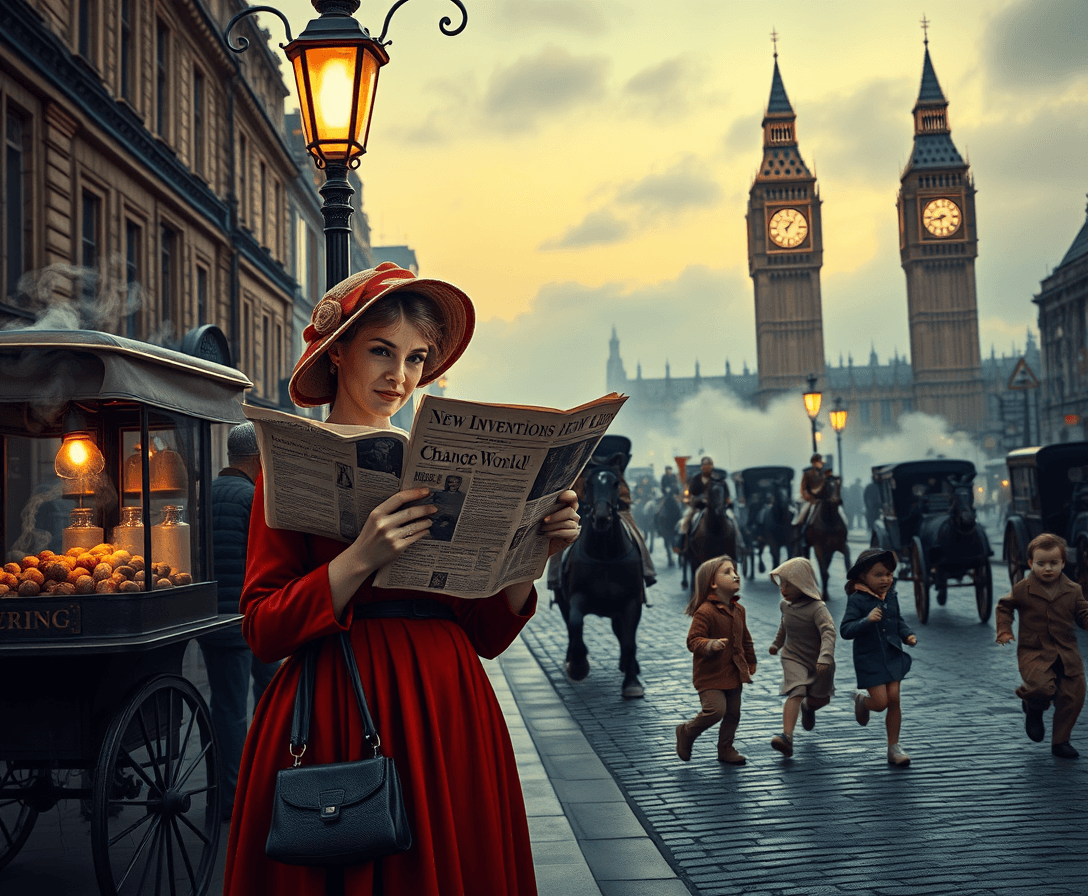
[
  {"x": 602, "y": 499},
  {"x": 962, "y": 507}
]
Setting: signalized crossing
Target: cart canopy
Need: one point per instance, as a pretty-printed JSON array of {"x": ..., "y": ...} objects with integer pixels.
[
  {"x": 55, "y": 366},
  {"x": 914, "y": 486},
  {"x": 1047, "y": 481}
]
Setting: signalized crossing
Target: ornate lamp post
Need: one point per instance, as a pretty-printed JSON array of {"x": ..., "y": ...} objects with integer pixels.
[
  {"x": 838, "y": 423},
  {"x": 812, "y": 398},
  {"x": 336, "y": 64}
]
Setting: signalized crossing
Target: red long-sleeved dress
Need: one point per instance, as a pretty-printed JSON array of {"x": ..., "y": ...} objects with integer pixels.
[{"x": 435, "y": 712}]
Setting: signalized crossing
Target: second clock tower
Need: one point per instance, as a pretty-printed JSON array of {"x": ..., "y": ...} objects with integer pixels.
[
  {"x": 938, "y": 244},
  {"x": 785, "y": 253}
]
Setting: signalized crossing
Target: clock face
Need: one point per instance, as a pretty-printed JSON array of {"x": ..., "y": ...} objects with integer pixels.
[
  {"x": 788, "y": 227},
  {"x": 941, "y": 217}
]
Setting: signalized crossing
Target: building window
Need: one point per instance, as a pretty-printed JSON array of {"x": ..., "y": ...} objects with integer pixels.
[
  {"x": 266, "y": 356},
  {"x": 263, "y": 207},
  {"x": 168, "y": 254},
  {"x": 85, "y": 28},
  {"x": 865, "y": 414},
  {"x": 90, "y": 245},
  {"x": 247, "y": 343},
  {"x": 128, "y": 50},
  {"x": 243, "y": 180},
  {"x": 201, "y": 295},
  {"x": 198, "y": 121},
  {"x": 274, "y": 225},
  {"x": 134, "y": 243},
  {"x": 17, "y": 200},
  {"x": 162, "y": 78},
  {"x": 908, "y": 405},
  {"x": 313, "y": 264},
  {"x": 885, "y": 412}
]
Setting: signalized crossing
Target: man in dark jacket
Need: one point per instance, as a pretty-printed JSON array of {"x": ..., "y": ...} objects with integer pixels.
[{"x": 228, "y": 658}]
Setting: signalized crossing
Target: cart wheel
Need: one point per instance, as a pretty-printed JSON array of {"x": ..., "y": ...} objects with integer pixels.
[
  {"x": 984, "y": 591},
  {"x": 155, "y": 814},
  {"x": 921, "y": 580},
  {"x": 19, "y": 805},
  {"x": 1012, "y": 553}
]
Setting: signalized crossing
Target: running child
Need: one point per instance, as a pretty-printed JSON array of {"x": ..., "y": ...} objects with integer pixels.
[
  {"x": 875, "y": 625},
  {"x": 806, "y": 639},
  {"x": 1049, "y": 604},
  {"x": 723, "y": 657}
]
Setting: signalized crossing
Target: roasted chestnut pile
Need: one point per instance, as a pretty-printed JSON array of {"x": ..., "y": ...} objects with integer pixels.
[{"x": 99, "y": 570}]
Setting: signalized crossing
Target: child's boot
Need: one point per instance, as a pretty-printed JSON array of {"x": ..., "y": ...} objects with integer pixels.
[
  {"x": 1064, "y": 750},
  {"x": 684, "y": 742},
  {"x": 1033, "y": 719},
  {"x": 861, "y": 711},
  {"x": 730, "y": 755},
  {"x": 898, "y": 756},
  {"x": 808, "y": 716},
  {"x": 783, "y": 743}
]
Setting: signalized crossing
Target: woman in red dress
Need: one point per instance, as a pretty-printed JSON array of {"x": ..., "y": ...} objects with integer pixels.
[{"x": 373, "y": 339}]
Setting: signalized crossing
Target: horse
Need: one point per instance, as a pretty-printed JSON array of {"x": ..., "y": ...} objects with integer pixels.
[
  {"x": 771, "y": 525},
  {"x": 666, "y": 518},
  {"x": 712, "y": 532},
  {"x": 644, "y": 512},
  {"x": 602, "y": 575},
  {"x": 827, "y": 530},
  {"x": 953, "y": 541}
]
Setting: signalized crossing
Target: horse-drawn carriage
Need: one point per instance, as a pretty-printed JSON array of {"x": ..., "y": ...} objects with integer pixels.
[
  {"x": 764, "y": 512},
  {"x": 1049, "y": 494},
  {"x": 928, "y": 519},
  {"x": 713, "y": 530}
]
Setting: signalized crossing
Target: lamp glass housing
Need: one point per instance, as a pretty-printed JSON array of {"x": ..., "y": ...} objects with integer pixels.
[
  {"x": 812, "y": 403},
  {"x": 337, "y": 83},
  {"x": 78, "y": 463},
  {"x": 838, "y": 419}
]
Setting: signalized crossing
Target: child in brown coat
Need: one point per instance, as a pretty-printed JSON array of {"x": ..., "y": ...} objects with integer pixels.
[
  {"x": 806, "y": 639},
  {"x": 723, "y": 657},
  {"x": 1049, "y": 605}
]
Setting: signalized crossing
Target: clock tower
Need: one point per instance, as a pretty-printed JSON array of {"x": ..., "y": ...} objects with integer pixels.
[
  {"x": 938, "y": 244},
  {"x": 785, "y": 253}
]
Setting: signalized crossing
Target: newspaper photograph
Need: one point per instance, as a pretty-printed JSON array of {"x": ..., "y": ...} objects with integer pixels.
[{"x": 493, "y": 470}]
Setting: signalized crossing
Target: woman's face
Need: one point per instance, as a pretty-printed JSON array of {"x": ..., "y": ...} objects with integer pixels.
[{"x": 376, "y": 373}]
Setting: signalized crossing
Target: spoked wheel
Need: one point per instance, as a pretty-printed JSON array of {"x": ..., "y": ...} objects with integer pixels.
[
  {"x": 21, "y": 792},
  {"x": 984, "y": 591},
  {"x": 155, "y": 813},
  {"x": 920, "y": 575},
  {"x": 1012, "y": 554}
]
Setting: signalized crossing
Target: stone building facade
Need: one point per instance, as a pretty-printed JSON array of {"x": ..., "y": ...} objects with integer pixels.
[{"x": 149, "y": 183}]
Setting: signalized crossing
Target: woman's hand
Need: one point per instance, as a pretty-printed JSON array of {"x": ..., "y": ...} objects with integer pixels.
[
  {"x": 388, "y": 531},
  {"x": 561, "y": 525}
]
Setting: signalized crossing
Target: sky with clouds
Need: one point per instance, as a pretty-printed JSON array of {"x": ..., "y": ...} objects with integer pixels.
[{"x": 576, "y": 165}]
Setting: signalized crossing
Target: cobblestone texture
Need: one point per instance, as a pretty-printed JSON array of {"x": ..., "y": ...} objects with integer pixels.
[{"x": 981, "y": 809}]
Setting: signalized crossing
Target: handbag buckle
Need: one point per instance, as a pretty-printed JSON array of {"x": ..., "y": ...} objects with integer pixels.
[
  {"x": 298, "y": 755},
  {"x": 330, "y": 801},
  {"x": 375, "y": 744}
]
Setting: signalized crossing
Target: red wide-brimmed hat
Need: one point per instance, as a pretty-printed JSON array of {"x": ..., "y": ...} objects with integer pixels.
[{"x": 312, "y": 382}]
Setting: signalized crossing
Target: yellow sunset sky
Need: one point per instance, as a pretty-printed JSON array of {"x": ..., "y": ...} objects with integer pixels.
[{"x": 576, "y": 165}]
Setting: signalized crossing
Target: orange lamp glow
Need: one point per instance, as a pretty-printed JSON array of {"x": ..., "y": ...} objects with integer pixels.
[
  {"x": 78, "y": 462},
  {"x": 838, "y": 416},
  {"x": 813, "y": 399}
]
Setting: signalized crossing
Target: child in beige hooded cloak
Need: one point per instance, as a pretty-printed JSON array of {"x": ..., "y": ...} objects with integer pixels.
[{"x": 806, "y": 640}]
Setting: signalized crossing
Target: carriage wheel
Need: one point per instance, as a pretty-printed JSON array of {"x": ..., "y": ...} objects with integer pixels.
[
  {"x": 1012, "y": 553},
  {"x": 921, "y": 581},
  {"x": 19, "y": 807},
  {"x": 155, "y": 811},
  {"x": 984, "y": 591}
]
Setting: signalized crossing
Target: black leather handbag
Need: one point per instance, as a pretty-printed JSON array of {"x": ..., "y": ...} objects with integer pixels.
[{"x": 341, "y": 813}]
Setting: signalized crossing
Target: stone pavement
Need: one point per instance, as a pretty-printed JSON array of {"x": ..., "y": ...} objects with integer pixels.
[{"x": 981, "y": 810}]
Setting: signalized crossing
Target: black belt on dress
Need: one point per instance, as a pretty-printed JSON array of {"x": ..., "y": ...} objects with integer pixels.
[{"x": 404, "y": 609}]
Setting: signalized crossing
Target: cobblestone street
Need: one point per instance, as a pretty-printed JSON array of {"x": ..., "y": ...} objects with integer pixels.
[{"x": 981, "y": 809}]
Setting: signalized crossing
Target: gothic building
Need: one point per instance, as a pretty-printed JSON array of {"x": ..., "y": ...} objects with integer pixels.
[{"x": 938, "y": 246}]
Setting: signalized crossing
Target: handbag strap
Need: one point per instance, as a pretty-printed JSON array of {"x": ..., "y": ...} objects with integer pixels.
[{"x": 304, "y": 698}]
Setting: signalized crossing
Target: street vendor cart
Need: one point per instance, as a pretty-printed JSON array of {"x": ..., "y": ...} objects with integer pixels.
[{"x": 106, "y": 534}]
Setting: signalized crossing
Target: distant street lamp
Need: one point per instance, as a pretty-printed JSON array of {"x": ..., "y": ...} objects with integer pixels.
[
  {"x": 838, "y": 423},
  {"x": 336, "y": 64},
  {"x": 812, "y": 398}
]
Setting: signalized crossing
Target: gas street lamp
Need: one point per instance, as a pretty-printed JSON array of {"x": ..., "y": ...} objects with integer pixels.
[
  {"x": 838, "y": 423},
  {"x": 336, "y": 64},
  {"x": 812, "y": 398}
]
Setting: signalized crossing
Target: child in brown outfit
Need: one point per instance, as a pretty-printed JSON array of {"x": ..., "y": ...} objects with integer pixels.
[
  {"x": 806, "y": 638},
  {"x": 1049, "y": 604},
  {"x": 723, "y": 657}
]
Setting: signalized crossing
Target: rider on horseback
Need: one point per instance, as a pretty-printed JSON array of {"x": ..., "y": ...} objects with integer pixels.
[
  {"x": 670, "y": 484},
  {"x": 813, "y": 484},
  {"x": 697, "y": 489}
]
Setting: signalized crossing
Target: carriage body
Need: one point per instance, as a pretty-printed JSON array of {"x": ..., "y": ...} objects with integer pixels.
[
  {"x": 108, "y": 707},
  {"x": 763, "y": 496},
  {"x": 927, "y": 518},
  {"x": 1048, "y": 493}
]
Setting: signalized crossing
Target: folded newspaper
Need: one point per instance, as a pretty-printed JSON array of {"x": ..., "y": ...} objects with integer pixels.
[{"x": 494, "y": 471}]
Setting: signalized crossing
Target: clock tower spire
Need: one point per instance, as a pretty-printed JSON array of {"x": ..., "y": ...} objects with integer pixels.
[
  {"x": 785, "y": 253},
  {"x": 938, "y": 244}
]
